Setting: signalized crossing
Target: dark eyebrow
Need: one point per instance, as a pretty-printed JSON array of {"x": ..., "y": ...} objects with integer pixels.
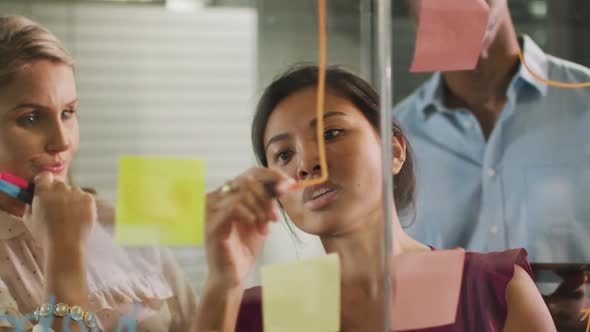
[
  {"x": 312, "y": 124},
  {"x": 314, "y": 121},
  {"x": 276, "y": 138},
  {"x": 39, "y": 107},
  {"x": 28, "y": 105}
]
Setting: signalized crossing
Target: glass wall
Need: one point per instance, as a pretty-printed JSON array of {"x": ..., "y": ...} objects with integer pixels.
[{"x": 501, "y": 159}]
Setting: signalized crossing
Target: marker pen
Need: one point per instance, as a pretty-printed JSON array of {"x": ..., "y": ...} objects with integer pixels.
[{"x": 16, "y": 187}]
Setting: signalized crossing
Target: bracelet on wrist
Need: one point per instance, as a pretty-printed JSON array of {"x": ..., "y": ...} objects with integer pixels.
[{"x": 76, "y": 313}]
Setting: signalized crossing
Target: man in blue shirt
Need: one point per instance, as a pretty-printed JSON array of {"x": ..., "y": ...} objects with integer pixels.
[{"x": 503, "y": 159}]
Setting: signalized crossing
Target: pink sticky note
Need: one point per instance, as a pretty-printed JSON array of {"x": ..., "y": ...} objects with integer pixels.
[
  {"x": 450, "y": 35},
  {"x": 426, "y": 289}
]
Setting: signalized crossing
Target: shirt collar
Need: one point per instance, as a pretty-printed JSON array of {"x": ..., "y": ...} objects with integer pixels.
[
  {"x": 430, "y": 94},
  {"x": 537, "y": 61},
  {"x": 10, "y": 226}
]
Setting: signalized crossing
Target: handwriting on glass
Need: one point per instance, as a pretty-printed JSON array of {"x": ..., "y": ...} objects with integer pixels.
[{"x": 126, "y": 322}]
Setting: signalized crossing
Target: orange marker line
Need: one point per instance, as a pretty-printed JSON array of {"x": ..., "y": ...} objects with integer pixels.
[
  {"x": 550, "y": 82},
  {"x": 320, "y": 101}
]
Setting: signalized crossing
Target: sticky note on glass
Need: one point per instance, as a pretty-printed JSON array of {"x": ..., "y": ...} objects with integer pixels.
[
  {"x": 450, "y": 35},
  {"x": 302, "y": 296},
  {"x": 426, "y": 289},
  {"x": 160, "y": 201}
]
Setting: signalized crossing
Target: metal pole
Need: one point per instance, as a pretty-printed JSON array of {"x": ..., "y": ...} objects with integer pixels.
[
  {"x": 367, "y": 41},
  {"x": 383, "y": 76}
]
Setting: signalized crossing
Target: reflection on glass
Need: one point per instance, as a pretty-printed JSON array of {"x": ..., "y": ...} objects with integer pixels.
[{"x": 501, "y": 159}]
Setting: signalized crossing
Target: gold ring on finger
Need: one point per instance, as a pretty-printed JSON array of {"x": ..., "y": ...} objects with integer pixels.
[{"x": 227, "y": 188}]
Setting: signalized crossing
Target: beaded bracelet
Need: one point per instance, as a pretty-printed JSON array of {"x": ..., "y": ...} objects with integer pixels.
[{"x": 76, "y": 313}]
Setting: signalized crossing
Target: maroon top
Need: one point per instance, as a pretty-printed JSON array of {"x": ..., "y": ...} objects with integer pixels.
[{"x": 482, "y": 305}]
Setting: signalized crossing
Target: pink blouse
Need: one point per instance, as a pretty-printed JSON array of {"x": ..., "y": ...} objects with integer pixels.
[{"x": 117, "y": 277}]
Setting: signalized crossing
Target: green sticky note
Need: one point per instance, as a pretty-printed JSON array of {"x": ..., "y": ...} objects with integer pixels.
[
  {"x": 161, "y": 201},
  {"x": 302, "y": 296}
]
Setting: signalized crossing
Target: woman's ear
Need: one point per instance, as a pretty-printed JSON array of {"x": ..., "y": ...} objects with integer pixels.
[{"x": 399, "y": 153}]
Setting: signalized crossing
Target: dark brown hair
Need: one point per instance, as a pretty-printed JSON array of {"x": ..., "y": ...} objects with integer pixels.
[{"x": 344, "y": 84}]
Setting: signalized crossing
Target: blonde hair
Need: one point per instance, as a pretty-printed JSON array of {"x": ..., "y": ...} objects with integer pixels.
[{"x": 23, "y": 41}]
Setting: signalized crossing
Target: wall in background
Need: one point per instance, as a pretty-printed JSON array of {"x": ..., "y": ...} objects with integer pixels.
[
  {"x": 154, "y": 82},
  {"x": 163, "y": 83}
]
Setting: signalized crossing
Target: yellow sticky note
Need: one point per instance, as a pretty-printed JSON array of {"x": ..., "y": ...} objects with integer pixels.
[
  {"x": 302, "y": 296},
  {"x": 161, "y": 201}
]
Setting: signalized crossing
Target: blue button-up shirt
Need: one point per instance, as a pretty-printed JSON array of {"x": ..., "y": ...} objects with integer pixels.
[{"x": 527, "y": 186}]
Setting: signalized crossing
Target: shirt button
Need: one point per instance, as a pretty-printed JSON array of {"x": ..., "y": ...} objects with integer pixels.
[
  {"x": 468, "y": 124},
  {"x": 494, "y": 229},
  {"x": 491, "y": 172}
]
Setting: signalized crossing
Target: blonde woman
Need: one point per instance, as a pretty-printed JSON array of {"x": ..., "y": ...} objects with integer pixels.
[{"x": 60, "y": 249}]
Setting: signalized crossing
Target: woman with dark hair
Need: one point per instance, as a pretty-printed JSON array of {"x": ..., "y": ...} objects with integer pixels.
[{"x": 497, "y": 291}]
